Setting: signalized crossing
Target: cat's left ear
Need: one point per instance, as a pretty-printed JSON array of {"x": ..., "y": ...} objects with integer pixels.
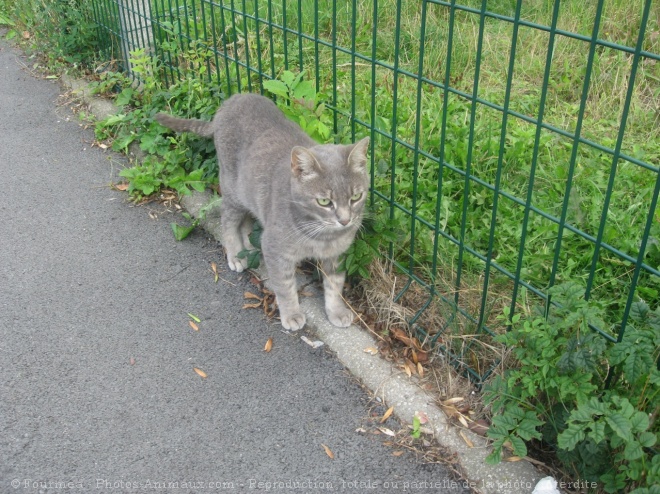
[{"x": 357, "y": 160}]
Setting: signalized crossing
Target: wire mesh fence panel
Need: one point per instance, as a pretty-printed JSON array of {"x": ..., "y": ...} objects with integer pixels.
[{"x": 515, "y": 144}]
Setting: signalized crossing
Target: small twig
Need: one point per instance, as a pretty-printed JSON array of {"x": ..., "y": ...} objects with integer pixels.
[{"x": 175, "y": 274}]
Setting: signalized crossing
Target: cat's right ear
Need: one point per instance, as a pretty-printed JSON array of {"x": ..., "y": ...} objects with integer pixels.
[{"x": 303, "y": 163}]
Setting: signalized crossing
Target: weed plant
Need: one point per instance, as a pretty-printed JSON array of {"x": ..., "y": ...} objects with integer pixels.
[{"x": 63, "y": 32}]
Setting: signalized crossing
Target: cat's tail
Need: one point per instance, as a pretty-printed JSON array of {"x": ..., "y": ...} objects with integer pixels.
[{"x": 200, "y": 127}]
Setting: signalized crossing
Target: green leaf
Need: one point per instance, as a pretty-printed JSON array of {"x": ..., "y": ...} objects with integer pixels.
[
  {"x": 571, "y": 437},
  {"x": 519, "y": 447},
  {"x": 639, "y": 422},
  {"x": 633, "y": 451},
  {"x": 124, "y": 97},
  {"x": 647, "y": 439},
  {"x": 620, "y": 425},
  {"x": 181, "y": 232},
  {"x": 278, "y": 88}
]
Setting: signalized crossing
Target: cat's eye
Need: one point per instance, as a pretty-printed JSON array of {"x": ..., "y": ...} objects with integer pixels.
[
  {"x": 356, "y": 197},
  {"x": 324, "y": 202}
]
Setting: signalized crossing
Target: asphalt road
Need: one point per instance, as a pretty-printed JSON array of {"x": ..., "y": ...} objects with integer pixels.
[{"x": 98, "y": 391}]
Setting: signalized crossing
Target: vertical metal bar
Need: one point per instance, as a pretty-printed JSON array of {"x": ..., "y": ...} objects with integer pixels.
[
  {"x": 284, "y": 35},
  {"x": 500, "y": 163},
  {"x": 216, "y": 48},
  {"x": 576, "y": 144},
  {"x": 257, "y": 17},
  {"x": 617, "y": 151},
  {"x": 443, "y": 137},
  {"x": 270, "y": 33},
  {"x": 223, "y": 26},
  {"x": 300, "y": 37},
  {"x": 205, "y": 42},
  {"x": 535, "y": 154},
  {"x": 393, "y": 130},
  {"x": 468, "y": 161},
  {"x": 353, "y": 45},
  {"x": 334, "y": 66},
  {"x": 248, "y": 69},
  {"x": 654, "y": 200},
  {"x": 418, "y": 131},
  {"x": 236, "y": 57},
  {"x": 317, "y": 73},
  {"x": 374, "y": 41},
  {"x": 174, "y": 66}
]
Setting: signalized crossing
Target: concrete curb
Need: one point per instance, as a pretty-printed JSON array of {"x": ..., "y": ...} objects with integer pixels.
[{"x": 380, "y": 376}]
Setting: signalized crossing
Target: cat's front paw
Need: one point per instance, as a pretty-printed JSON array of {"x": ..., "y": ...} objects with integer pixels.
[
  {"x": 340, "y": 316},
  {"x": 293, "y": 321},
  {"x": 236, "y": 264}
]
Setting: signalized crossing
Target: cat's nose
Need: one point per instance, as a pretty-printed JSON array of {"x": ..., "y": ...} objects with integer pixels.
[{"x": 344, "y": 221}]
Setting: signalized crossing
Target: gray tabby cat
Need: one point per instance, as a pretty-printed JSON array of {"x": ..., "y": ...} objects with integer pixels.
[{"x": 309, "y": 198}]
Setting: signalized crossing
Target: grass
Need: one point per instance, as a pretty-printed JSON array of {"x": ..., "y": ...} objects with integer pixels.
[{"x": 450, "y": 163}]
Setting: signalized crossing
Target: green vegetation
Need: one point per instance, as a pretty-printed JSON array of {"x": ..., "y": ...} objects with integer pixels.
[
  {"x": 63, "y": 32},
  {"x": 552, "y": 389},
  {"x": 441, "y": 164}
]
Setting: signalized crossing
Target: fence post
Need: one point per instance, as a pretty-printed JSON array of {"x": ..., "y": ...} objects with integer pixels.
[{"x": 135, "y": 24}]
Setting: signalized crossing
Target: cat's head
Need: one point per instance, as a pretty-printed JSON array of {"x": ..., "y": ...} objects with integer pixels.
[{"x": 329, "y": 184}]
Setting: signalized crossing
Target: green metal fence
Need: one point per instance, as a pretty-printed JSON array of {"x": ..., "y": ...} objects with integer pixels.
[{"x": 516, "y": 143}]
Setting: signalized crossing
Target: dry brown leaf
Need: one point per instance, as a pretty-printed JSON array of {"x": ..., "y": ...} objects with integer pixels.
[
  {"x": 466, "y": 439},
  {"x": 387, "y": 414},
  {"x": 252, "y": 306},
  {"x": 269, "y": 345},
  {"x": 193, "y": 325},
  {"x": 386, "y": 431},
  {"x": 121, "y": 186},
  {"x": 328, "y": 452},
  {"x": 413, "y": 367},
  {"x": 407, "y": 369},
  {"x": 371, "y": 350},
  {"x": 26, "y": 35},
  {"x": 462, "y": 420},
  {"x": 252, "y": 296},
  {"x": 200, "y": 372},
  {"x": 513, "y": 458},
  {"x": 398, "y": 453},
  {"x": 214, "y": 268},
  {"x": 420, "y": 369},
  {"x": 479, "y": 427},
  {"x": 451, "y": 401}
]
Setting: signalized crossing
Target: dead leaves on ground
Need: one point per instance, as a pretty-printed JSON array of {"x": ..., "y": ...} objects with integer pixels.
[
  {"x": 265, "y": 302},
  {"x": 269, "y": 345},
  {"x": 458, "y": 408},
  {"x": 328, "y": 452}
]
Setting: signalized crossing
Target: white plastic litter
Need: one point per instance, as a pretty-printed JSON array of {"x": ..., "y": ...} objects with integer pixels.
[
  {"x": 547, "y": 485},
  {"x": 313, "y": 344}
]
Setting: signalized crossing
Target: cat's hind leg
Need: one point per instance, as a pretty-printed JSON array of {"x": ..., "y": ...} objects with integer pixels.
[{"x": 232, "y": 217}]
